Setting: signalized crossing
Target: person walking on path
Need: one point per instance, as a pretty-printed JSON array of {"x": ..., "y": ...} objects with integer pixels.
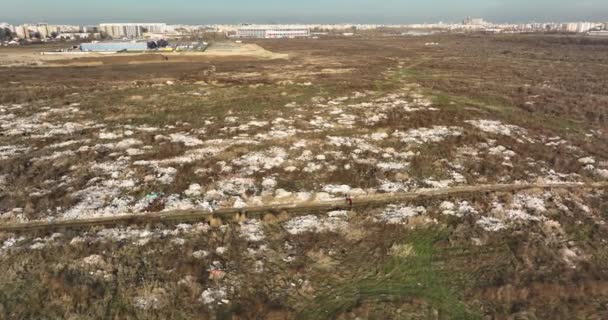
[{"x": 349, "y": 200}]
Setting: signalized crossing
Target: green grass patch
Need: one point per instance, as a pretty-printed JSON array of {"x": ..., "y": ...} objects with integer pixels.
[
  {"x": 420, "y": 274},
  {"x": 500, "y": 109}
]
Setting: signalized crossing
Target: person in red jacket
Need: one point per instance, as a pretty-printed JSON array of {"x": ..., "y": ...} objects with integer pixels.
[{"x": 349, "y": 200}]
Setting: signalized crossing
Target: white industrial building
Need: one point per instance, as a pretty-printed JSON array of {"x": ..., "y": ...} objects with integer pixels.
[
  {"x": 43, "y": 30},
  {"x": 131, "y": 30},
  {"x": 474, "y": 22},
  {"x": 273, "y": 31},
  {"x": 22, "y": 32}
]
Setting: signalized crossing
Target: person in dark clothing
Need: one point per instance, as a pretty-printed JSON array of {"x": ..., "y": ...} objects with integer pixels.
[{"x": 349, "y": 200}]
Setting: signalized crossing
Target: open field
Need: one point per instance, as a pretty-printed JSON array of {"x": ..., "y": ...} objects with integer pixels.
[{"x": 307, "y": 122}]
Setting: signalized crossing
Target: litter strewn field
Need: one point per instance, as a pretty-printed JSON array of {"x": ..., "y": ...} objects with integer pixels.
[{"x": 330, "y": 120}]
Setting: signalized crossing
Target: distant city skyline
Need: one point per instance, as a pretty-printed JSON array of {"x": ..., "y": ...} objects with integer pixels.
[{"x": 309, "y": 11}]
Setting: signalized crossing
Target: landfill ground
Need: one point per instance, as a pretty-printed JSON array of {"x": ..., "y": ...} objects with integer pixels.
[{"x": 307, "y": 123}]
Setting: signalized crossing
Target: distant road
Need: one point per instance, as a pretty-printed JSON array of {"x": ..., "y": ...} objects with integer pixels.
[{"x": 365, "y": 201}]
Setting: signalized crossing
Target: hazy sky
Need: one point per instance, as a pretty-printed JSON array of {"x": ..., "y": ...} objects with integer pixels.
[{"x": 299, "y": 11}]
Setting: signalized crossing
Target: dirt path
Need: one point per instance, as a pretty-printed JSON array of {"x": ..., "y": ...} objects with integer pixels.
[{"x": 367, "y": 201}]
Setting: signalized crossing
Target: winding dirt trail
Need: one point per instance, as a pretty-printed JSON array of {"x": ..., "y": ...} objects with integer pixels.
[{"x": 367, "y": 201}]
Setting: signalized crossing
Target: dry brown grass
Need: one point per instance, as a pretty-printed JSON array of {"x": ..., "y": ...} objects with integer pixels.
[{"x": 496, "y": 277}]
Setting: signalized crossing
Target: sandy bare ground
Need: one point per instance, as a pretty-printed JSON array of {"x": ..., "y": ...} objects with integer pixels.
[
  {"x": 13, "y": 57},
  {"x": 367, "y": 201}
]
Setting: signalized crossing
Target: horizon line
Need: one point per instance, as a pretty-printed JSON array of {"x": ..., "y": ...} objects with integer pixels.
[{"x": 297, "y": 23}]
